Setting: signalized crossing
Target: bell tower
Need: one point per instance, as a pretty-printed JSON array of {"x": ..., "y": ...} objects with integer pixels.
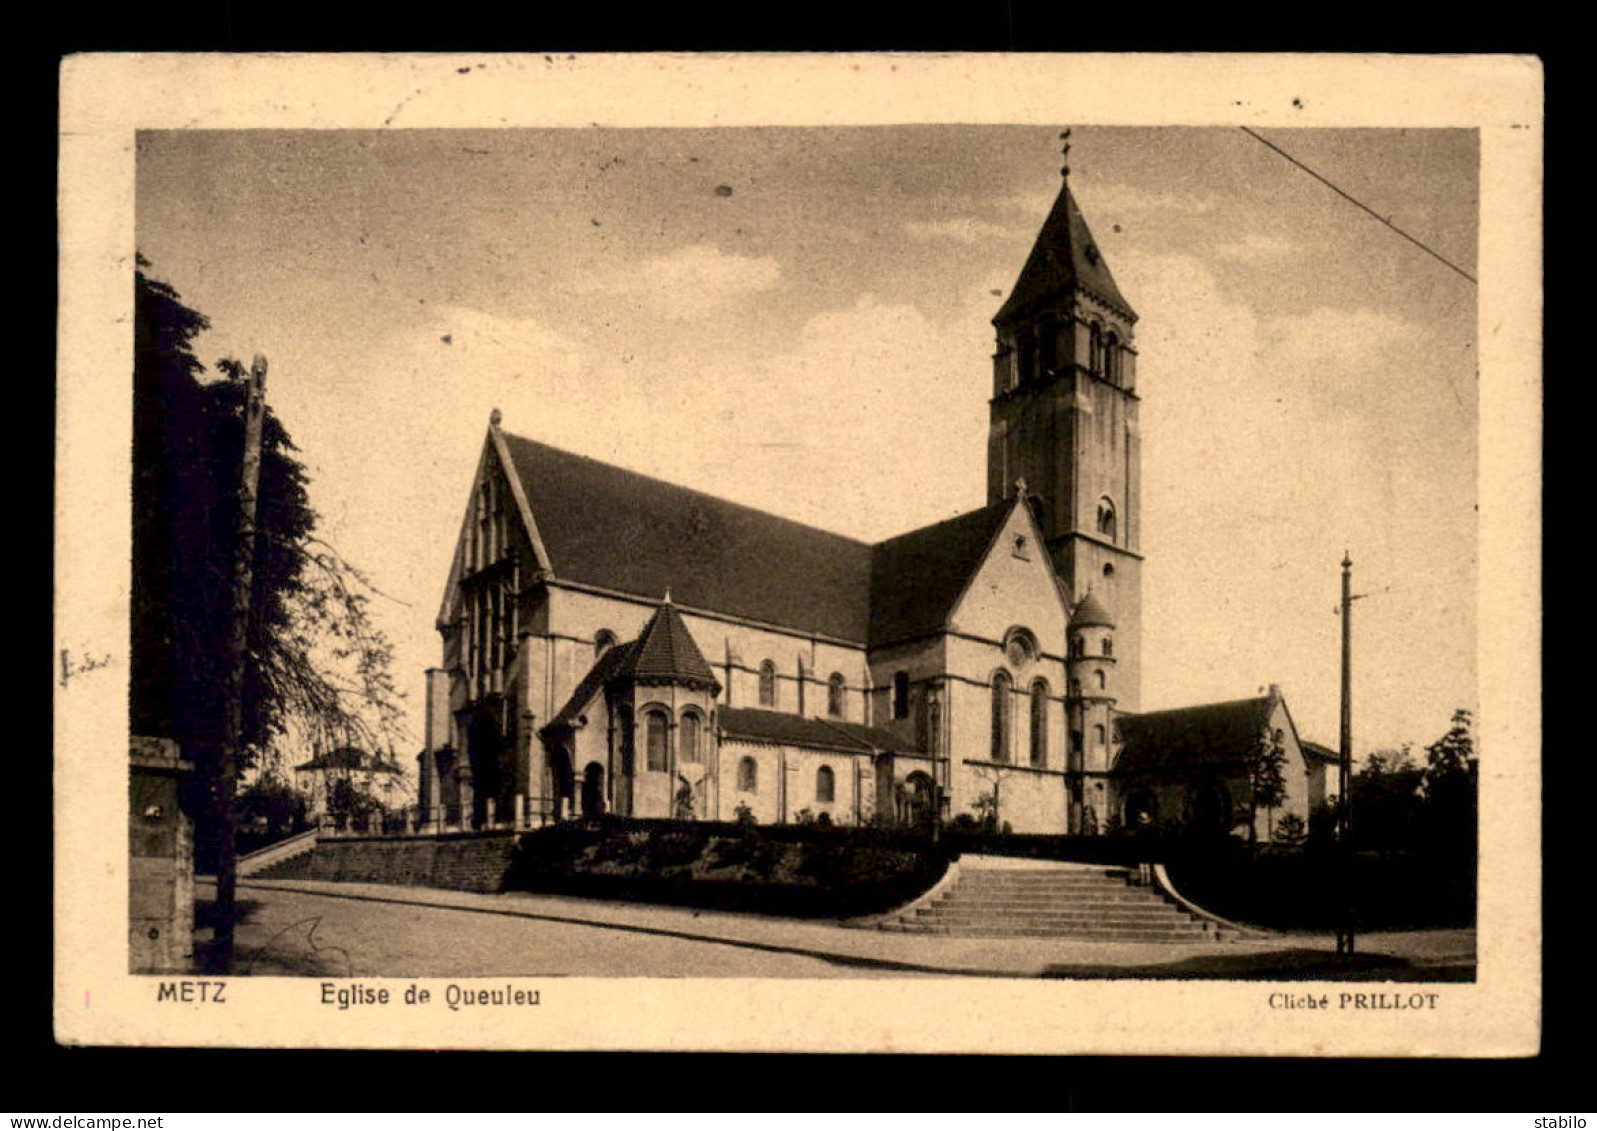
[{"x": 1063, "y": 417}]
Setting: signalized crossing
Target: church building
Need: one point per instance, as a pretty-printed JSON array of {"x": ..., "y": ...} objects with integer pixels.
[{"x": 613, "y": 643}]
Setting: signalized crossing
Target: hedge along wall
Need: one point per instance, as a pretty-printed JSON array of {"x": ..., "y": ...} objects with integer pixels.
[
  {"x": 805, "y": 871},
  {"x": 461, "y": 862}
]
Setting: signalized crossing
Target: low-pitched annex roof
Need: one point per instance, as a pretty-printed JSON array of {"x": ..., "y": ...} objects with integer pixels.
[
  {"x": 1321, "y": 753},
  {"x": 754, "y": 725},
  {"x": 602, "y": 672},
  {"x": 1210, "y": 734},
  {"x": 348, "y": 758}
]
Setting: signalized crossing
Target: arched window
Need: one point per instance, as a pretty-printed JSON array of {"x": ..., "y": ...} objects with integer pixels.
[
  {"x": 688, "y": 738},
  {"x": 1106, "y": 518},
  {"x": 1099, "y": 676},
  {"x": 1039, "y": 723},
  {"x": 748, "y": 776},
  {"x": 825, "y": 784},
  {"x": 603, "y": 641},
  {"x": 1028, "y": 359},
  {"x": 900, "y": 695},
  {"x": 1108, "y": 646},
  {"x": 1111, "y": 358},
  {"x": 767, "y": 684},
  {"x": 655, "y": 730},
  {"x": 1098, "y": 735},
  {"x": 835, "y": 689},
  {"x": 1095, "y": 351},
  {"x": 1001, "y": 685},
  {"x": 1047, "y": 346}
]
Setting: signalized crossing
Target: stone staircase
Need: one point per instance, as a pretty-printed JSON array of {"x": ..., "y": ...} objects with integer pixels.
[{"x": 1015, "y": 899}]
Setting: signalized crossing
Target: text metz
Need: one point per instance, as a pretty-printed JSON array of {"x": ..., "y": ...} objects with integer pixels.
[{"x": 208, "y": 992}]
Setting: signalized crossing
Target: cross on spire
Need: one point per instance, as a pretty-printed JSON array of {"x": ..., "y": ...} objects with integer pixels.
[{"x": 1064, "y": 151}]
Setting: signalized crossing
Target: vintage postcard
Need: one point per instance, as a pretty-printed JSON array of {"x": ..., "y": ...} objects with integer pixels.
[{"x": 871, "y": 553}]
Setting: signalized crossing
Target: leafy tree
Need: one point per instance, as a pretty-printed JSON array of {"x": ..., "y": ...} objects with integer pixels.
[
  {"x": 1292, "y": 831},
  {"x": 1386, "y": 800},
  {"x": 1267, "y": 782},
  {"x": 316, "y": 668},
  {"x": 1450, "y": 784}
]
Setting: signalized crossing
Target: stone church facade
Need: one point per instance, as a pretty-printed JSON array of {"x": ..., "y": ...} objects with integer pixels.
[{"x": 613, "y": 643}]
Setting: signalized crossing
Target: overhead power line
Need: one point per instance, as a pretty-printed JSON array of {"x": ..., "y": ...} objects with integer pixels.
[{"x": 1353, "y": 200}]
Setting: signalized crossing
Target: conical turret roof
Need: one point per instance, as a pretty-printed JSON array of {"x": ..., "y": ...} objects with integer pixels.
[
  {"x": 665, "y": 652},
  {"x": 1091, "y": 612},
  {"x": 1064, "y": 256}
]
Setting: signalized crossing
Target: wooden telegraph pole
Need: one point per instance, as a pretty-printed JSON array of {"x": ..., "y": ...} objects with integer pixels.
[
  {"x": 1344, "y": 841},
  {"x": 238, "y": 651}
]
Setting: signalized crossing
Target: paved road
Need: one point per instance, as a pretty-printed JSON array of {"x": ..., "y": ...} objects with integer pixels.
[
  {"x": 370, "y": 930},
  {"x": 293, "y": 932}
]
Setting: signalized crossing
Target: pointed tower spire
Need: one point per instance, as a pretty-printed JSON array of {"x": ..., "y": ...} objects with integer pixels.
[{"x": 1063, "y": 416}]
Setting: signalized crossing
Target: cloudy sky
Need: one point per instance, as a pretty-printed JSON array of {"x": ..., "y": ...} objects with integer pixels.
[{"x": 799, "y": 320}]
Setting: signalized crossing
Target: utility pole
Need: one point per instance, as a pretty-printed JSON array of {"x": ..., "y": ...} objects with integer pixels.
[
  {"x": 1345, "y": 929},
  {"x": 238, "y": 651}
]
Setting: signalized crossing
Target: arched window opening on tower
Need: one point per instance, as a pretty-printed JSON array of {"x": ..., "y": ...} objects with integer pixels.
[
  {"x": 1106, "y": 518},
  {"x": 1001, "y": 686},
  {"x": 688, "y": 738},
  {"x": 1047, "y": 347},
  {"x": 835, "y": 689},
  {"x": 748, "y": 776},
  {"x": 900, "y": 695},
  {"x": 1039, "y": 723},
  {"x": 1108, "y": 646},
  {"x": 1028, "y": 359},
  {"x": 1098, "y": 735},
  {"x": 1111, "y": 358},
  {"x": 1108, "y": 569},
  {"x": 655, "y": 727},
  {"x": 1095, "y": 350},
  {"x": 767, "y": 684},
  {"x": 1099, "y": 676},
  {"x": 825, "y": 784}
]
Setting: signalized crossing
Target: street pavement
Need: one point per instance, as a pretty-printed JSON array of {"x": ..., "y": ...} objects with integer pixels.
[{"x": 321, "y": 928}]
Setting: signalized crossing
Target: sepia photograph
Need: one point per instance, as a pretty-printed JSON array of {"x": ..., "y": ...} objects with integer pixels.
[{"x": 571, "y": 560}]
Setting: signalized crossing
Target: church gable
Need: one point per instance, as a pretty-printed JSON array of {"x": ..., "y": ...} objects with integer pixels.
[
  {"x": 497, "y": 530},
  {"x": 918, "y": 577},
  {"x": 1013, "y": 583}
]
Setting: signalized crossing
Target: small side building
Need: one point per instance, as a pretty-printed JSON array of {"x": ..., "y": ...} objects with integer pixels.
[
  {"x": 1192, "y": 767},
  {"x": 319, "y": 781}
]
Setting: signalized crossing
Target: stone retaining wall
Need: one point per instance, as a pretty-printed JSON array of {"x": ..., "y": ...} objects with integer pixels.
[{"x": 460, "y": 862}]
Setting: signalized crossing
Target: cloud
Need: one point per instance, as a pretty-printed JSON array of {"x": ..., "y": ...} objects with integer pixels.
[
  {"x": 964, "y": 229},
  {"x": 1114, "y": 201},
  {"x": 689, "y": 283},
  {"x": 1255, "y": 248}
]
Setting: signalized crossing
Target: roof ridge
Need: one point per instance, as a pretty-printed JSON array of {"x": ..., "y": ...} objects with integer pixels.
[
  {"x": 942, "y": 522},
  {"x": 720, "y": 500},
  {"x": 1196, "y": 707}
]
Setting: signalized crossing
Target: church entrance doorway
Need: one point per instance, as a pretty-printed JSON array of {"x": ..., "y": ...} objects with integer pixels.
[
  {"x": 593, "y": 790},
  {"x": 1142, "y": 812},
  {"x": 920, "y": 800},
  {"x": 484, "y": 751}
]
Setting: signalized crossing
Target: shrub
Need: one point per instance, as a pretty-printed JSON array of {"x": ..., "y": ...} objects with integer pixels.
[{"x": 1291, "y": 831}]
